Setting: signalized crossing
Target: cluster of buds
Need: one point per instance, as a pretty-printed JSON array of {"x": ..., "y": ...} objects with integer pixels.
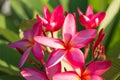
[{"x": 65, "y": 50}]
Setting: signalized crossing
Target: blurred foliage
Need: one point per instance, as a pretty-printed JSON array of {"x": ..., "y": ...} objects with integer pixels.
[{"x": 21, "y": 15}]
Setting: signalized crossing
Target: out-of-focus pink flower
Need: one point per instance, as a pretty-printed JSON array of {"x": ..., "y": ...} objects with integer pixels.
[
  {"x": 92, "y": 72},
  {"x": 69, "y": 46},
  {"x": 98, "y": 47},
  {"x": 33, "y": 74},
  {"x": 54, "y": 21},
  {"x": 90, "y": 20},
  {"x": 29, "y": 43}
]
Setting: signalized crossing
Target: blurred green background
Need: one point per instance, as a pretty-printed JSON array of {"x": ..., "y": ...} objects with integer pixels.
[{"x": 15, "y": 12}]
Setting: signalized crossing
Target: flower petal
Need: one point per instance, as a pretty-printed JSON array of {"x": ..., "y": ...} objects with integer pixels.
[
  {"x": 37, "y": 51},
  {"x": 37, "y": 29},
  {"x": 53, "y": 70},
  {"x": 19, "y": 44},
  {"x": 32, "y": 74},
  {"x": 83, "y": 38},
  {"x": 89, "y": 12},
  {"x": 51, "y": 42},
  {"x": 84, "y": 20},
  {"x": 69, "y": 27},
  {"x": 76, "y": 58},
  {"x": 39, "y": 18},
  {"x": 28, "y": 34},
  {"x": 97, "y": 19},
  {"x": 79, "y": 12},
  {"x": 66, "y": 76},
  {"x": 57, "y": 13},
  {"x": 55, "y": 57},
  {"x": 24, "y": 57},
  {"x": 46, "y": 13},
  {"x": 98, "y": 68},
  {"x": 57, "y": 18}
]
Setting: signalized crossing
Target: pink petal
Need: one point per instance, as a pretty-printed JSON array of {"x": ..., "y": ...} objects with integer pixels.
[
  {"x": 24, "y": 57},
  {"x": 89, "y": 12},
  {"x": 98, "y": 68},
  {"x": 76, "y": 58},
  {"x": 69, "y": 28},
  {"x": 39, "y": 18},
  {"x": 84, "y": 20},
  {"x": 57, "y": 18},
  {"x": 58, "y": 12},
  {"x": 28, "y": 34},
  {"x": 19, "y": 44},
  {"x": 37, "y": 51},
  {"x": 99, "y": 40},
  {"x": 79, "y": 12},
  {"x": 97, "y": 19},
  {"x": 37, "y": 29},
  {"x": 53, "y": 70},
  {"x": 46, "y": 13},
  {"x": 83, "y": 38},
  {"x": 66, "y": 76},
  {"x": 32, "y": 74},
  {"x": 94, "y": 77},
  {"x": 57, "y": 24},
  {"x": 55, "y": 58},
  {"x": 51, "y": 42}
]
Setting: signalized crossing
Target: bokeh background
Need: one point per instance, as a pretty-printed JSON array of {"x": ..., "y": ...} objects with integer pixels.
[{"x": 14, "y": 14}]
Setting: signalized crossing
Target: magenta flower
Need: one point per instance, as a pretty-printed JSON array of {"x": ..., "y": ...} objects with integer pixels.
[
  {"x": 32, "y": 74},
  {"x": 98, "y": 47},
  {"x": 69, "y": 46},
  {"x": 29, "y": 43},
  {"x": 54, "y": 21},
  {"x": 90, "y": 20},
  {"x": 92, "y": 72}
]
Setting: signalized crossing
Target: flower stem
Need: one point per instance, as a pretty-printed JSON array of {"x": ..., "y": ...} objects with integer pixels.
[{"x": 52, "y": 35}]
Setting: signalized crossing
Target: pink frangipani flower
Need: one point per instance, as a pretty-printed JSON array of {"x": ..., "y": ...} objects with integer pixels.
[
  {"x": 54, "y": 21},
  {"x": 29, "y": 43},
  {"x": 92, "y": 72},
  {"x": 68, "y": 47},
  {"x": 33, "y": 74},
  {"x": 90, "y": 20}
]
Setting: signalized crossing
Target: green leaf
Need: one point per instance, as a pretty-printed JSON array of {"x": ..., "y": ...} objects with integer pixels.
[
  {"x": 7, "y": 29},
  {"x": 99, "y": 5},
  {"x": 8, "y": 34},
  {"x": 8, "y": 68},
  {"x": 65, "y": 4},
  {"x": 114, "y": 72},
  {"x": 113, "y": 49},
  {"x": 7, "y": 23},
  {"x": 9, "y": 59},
  {"x": 73, "y": 5},
  {"x": 37, "y": 5},
  {"x": 9, "y": 77},
  {"x": 112, "y": 11},
  {"x": 18, "y": 9}
]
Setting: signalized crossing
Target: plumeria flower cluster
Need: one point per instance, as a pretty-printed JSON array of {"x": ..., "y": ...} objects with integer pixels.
[{"x": 66, "y": 48}]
